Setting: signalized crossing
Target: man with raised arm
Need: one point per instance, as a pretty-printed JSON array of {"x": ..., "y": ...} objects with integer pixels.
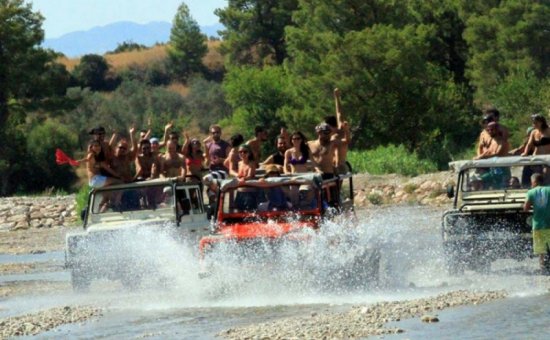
[
  {"x": 340, "y": 133},
  {"x": 124, "y": 157},
  {"x": 324, "y": 151}
]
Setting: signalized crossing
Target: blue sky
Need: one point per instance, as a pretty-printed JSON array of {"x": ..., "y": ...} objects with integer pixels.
[{"x": 64, "y": 16}]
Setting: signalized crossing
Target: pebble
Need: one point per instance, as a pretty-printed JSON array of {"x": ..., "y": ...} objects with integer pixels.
[
  {"x": 360, "y": 321},
  {"x": 32, "y": 324}
]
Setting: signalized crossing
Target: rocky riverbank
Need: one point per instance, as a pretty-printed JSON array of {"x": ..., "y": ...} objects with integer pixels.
[
  {"x": 18, "y": 213},
  {"x": 360, "y": 321},
  {"x": 37, "y": 212}
]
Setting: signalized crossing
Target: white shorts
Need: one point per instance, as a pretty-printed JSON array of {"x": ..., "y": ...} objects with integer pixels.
[{"x": 97, "y": 181}]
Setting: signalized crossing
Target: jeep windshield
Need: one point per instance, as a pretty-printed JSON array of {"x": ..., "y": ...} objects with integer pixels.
[
  {"x": 271, "y": 199},
  {"x": 132, "y": 202},
  {"x": 499, "y": 177}
]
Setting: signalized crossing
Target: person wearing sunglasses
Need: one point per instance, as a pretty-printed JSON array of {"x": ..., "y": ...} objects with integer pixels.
[{"x": 324, "y": 151}]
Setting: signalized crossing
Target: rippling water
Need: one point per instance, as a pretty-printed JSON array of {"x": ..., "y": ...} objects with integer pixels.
[{"x": 184, "y": 306}]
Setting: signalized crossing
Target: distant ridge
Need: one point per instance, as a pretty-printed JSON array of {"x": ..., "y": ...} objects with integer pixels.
[{"x": 99, "y": 40}]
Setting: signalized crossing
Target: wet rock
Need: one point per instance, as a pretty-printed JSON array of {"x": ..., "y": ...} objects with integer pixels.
[{"x": 429, "y": 318}]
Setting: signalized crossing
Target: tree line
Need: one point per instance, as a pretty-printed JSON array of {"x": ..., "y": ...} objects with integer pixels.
[{"x": 413, "y": 73}]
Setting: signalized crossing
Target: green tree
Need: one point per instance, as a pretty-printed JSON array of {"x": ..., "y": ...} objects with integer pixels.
[
  {"x": 91, "y": 72},
  {"x": 256, "y": 95},
  {"x": 21, "y": 58},
  {"x": 187, "y": 44},
  {"x": 206, "y": 102},
  {"x": 254, "y": 30},
  {"x": 505, "y": 38},
  {"x": 381, "y": 55},
  {"x": 43, "y": 172}
]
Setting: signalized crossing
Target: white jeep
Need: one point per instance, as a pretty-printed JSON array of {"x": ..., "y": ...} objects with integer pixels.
[
  {"x": 121, "y": 220},
  {"x": 487, "y": 221}
]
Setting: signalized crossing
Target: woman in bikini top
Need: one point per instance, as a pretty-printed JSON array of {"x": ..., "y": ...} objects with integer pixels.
[
  {"x": 297, "y": 156},
  {"x": 540, "y": 137},
  {"x": 247, "y": 167},
  {"x": 194, "y": 158}
]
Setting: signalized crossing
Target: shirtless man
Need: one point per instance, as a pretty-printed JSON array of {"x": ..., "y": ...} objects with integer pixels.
[
  {"x": 497, "y": 145},
  {"x": 324, "y": 151},
  {"x": 484, "y": 137},
  {"x": 216, "y": 149},
  {"x": 123, "y": 158},
  {"x": 491, "y": 115},
  {"x": 260, "y": 136},
  {"x": 340, "y": 132},
  {"x": 173, "y": 163},
  {"x": 147, "y": 165}
]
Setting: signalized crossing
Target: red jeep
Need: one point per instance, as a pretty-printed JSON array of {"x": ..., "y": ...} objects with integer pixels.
[{"x": 261, "y": 216}]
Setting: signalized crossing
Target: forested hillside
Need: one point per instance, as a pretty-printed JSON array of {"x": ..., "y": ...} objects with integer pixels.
[{"x": 414, "y": 74}]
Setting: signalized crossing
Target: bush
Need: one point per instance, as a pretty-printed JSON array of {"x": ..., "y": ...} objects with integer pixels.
[
  {"x": 390, "y": 159},
  {"x": 82, "y": 198}
]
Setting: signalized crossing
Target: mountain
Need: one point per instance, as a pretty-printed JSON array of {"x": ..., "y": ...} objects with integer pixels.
[{"x": 99, "y": 40}]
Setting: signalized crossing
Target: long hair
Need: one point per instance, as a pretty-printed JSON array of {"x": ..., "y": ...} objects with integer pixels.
[
  {"x": 304, "y": 149},
  {"x": 540, "y": 118}
]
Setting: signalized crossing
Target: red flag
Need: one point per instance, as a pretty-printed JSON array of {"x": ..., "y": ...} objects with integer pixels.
[{"x": 62, "y": 158}]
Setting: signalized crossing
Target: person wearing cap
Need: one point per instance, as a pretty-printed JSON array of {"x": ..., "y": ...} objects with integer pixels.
[
  {"x": 497, "y": 145},
  {"x": 324, "y": 151},
  {"x": 260, "y": 136},
  {"x": 539, "y": 141},
  {"x": 538, "y": 199}
]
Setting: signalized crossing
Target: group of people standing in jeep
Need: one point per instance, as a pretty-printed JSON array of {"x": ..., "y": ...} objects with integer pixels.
[
  {"x": 128, "y": 159},
  {"x": 494, "y": 138}
]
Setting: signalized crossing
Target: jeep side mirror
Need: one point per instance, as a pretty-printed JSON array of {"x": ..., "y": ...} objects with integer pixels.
[{"x": 450, "y": 191}]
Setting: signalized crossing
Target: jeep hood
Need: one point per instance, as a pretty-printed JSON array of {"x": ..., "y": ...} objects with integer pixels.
[
  {"x": 493, "y": 200},
  {"x": 261, "y": 230}
]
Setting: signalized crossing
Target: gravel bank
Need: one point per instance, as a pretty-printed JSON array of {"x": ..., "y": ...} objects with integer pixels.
[
  {"x": 35, "y": 323},
  {"x": 360, "y": 321}
]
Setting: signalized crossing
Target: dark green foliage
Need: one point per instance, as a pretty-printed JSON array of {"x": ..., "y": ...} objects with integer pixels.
[
  {"x": 154, "y": 74},
  {"x": 127, "y": 46},
  {"x": 256, "y": 96},
  {"x": 91, "y": 72},
  {"x": 187, "y": 45},
  {"x": 132, "y": 102},
  {"x": 506, "y": 37},
  {"x": 43, "y": 172},
  {"x": 254, "y": 30},
  {"x": 206, "y": 102},
  {"x": 22, "y": 61}
]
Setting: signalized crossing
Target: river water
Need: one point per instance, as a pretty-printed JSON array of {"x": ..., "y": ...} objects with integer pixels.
[{"x": 186, "y": 307}]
